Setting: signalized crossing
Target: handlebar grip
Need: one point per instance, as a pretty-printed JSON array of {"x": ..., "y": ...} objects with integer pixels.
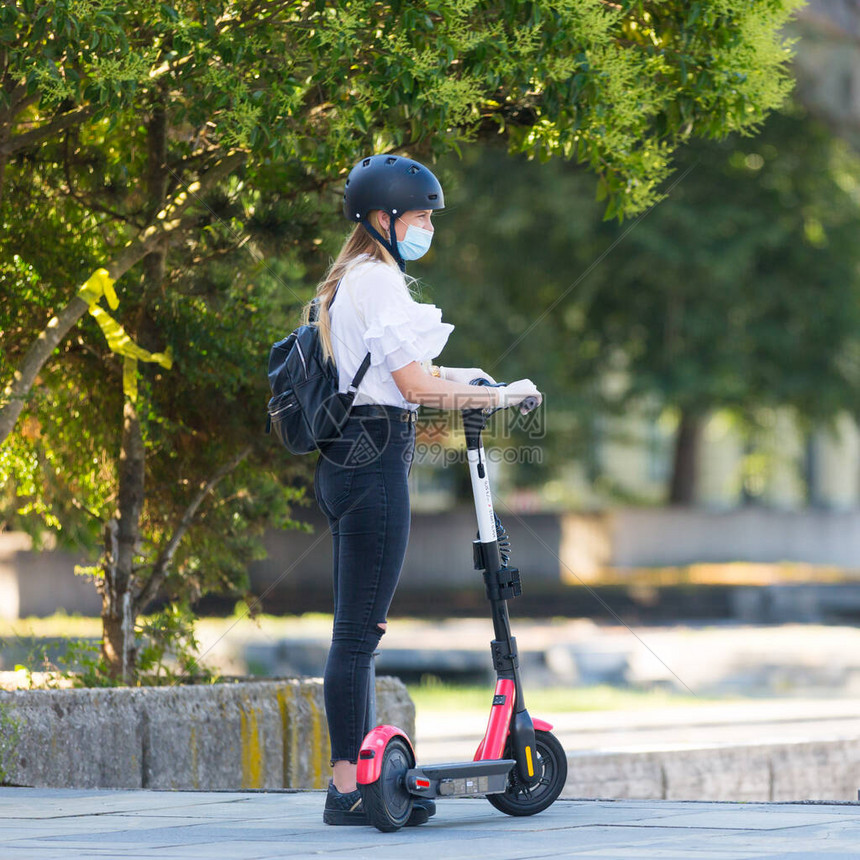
[{"x": 525, "y": 406}]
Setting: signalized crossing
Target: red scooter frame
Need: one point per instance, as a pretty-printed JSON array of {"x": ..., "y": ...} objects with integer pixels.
[{"x": 519, "y": 765}]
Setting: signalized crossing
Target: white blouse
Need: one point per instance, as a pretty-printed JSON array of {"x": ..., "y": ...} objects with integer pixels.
[{"x": 374, "y": 312}]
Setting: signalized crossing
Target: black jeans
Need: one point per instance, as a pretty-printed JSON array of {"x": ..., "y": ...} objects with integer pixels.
[{"x": 361, "y": 486}]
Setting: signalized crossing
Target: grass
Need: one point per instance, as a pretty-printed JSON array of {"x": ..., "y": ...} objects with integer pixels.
[
  {"x": 56, "y": 626},
  {"x": 61, "y": 625},
  {"x": 434, "y": 695}
]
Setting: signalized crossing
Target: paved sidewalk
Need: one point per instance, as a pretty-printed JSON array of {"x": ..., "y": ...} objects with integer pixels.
[{"x": 54, "y": 824}]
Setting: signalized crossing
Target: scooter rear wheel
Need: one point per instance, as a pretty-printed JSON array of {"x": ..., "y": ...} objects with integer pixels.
[
  {"x": 521, "y": 799},
  {"x": 387, "y": 803}
]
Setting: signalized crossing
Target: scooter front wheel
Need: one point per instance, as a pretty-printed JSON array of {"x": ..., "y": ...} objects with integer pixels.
[
  {"x": 387, "y": 803},
  {"x": 551, "y": 763}
]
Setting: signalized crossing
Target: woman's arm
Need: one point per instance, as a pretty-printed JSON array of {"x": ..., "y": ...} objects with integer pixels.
[
  {"x": 460, "y": 374},
  {"x": 418, "y": 386}
]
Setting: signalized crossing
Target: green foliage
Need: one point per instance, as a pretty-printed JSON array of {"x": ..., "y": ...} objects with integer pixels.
[
  {"x": 171, "y": 653},
  {"x": 742, "y": 292},
  {"x": 69, "y": 51},
  {"x": 72, "y": 662},
  {"x": 616, "y": 86},
  {"x": 168, "y": 653}
]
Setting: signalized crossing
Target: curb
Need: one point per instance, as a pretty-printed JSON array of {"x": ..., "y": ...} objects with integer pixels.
[{"x": 779, "y": 772}]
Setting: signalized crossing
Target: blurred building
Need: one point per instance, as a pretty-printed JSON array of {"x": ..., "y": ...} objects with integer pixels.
[{"x": 777, "y": 467}]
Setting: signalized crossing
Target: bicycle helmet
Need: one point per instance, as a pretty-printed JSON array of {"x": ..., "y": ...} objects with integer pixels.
[{"x": 393, "y": 184}]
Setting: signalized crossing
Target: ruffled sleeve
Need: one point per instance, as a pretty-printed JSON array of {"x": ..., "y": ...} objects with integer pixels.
[{"x": 398, "y": 330}]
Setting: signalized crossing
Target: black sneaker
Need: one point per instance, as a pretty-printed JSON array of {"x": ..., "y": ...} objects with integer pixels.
[
  {"x": 343, "y": 808},
  {"x": 422, "y": 809},
  {"x": 349, "y": 809}
]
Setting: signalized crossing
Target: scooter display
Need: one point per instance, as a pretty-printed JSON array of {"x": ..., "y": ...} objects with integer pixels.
[{"x": 519, "y": 766}]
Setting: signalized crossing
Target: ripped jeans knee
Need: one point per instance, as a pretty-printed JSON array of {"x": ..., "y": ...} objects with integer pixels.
[{"x": 359, "y": 638}]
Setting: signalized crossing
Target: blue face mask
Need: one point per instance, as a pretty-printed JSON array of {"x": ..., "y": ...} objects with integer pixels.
[{"x": 415, "y": 243}]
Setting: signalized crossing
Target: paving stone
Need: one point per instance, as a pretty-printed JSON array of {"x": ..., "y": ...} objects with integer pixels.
[{"x": 258, "y": 826}]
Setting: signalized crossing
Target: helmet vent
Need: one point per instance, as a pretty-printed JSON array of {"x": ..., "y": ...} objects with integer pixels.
[
  {"x": 366, "y": 162},
  {"x": 432, "y": 196},
  {"x": 414, "y": 169},
  {"x": 391, "y": 160}
]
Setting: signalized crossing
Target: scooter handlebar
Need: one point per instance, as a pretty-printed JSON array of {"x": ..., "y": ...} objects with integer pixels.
[{"x": 525, "y": 406}]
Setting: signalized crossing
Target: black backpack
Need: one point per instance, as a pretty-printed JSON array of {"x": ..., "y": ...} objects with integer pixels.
[{"x": 306, "y": 409}]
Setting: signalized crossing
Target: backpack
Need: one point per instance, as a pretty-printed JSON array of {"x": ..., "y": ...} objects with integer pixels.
[{"x": 306, "y": 409}]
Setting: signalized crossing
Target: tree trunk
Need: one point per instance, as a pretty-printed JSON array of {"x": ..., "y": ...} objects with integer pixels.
[
  {"x": 120, "y": 606},
  {"x": 18, "y": 390},
  {"x": 4, "y": 159},
  {"x": 684, "y": 483},
  {"x": 118, "y": 609}
]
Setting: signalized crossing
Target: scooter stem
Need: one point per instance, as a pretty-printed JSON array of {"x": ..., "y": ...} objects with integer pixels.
[{"x": 504, "y": 647}]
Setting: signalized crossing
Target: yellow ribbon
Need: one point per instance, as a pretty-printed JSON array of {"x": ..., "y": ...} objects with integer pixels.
[{"x": 101, "y": 284}]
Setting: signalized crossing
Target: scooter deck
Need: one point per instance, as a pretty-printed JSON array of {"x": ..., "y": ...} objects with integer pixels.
[{"x": 459, "y": 779}]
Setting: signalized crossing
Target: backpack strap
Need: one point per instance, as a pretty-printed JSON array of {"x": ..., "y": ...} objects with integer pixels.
[
  {"x": 363, "y": 367},
  {"x": 314, "y": 315},
  {"x": 356, "y": 380}
]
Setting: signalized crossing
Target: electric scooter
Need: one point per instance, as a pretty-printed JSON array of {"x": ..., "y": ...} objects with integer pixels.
[{"x": 519, "y": 765}]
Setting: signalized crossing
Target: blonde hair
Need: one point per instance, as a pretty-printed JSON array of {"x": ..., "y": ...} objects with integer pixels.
[{"x": 358, "y": 244}]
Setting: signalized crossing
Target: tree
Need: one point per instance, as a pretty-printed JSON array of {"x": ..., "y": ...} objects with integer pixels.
[
  {"x": 173, "y": 133},
  {"x": 739, "y": 292},
  {"x": 743, "y": 293}
]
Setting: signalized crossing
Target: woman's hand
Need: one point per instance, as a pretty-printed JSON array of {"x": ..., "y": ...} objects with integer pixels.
[
  {"x": 514, "y": 393},
  {"x": 464, "y": 374}
]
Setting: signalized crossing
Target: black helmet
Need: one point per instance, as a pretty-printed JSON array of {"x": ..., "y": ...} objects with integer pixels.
[{"x": 391, "y": 183}]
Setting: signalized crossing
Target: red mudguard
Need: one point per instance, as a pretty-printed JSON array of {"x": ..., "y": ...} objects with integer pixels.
[
  {"x": 372, "y": 748},
  {"x": 498, "y": 727}
]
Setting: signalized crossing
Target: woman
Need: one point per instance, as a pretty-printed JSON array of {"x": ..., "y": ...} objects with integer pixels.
[{"x": 361, "y": 478}]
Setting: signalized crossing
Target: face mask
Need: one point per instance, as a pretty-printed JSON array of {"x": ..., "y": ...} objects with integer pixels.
[{"x": 416, "y": 243}]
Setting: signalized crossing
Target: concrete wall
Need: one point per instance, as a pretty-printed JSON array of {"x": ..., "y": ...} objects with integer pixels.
[
  {"x": 270, "y": 734},
  {"x": 806, "y": 770}
]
